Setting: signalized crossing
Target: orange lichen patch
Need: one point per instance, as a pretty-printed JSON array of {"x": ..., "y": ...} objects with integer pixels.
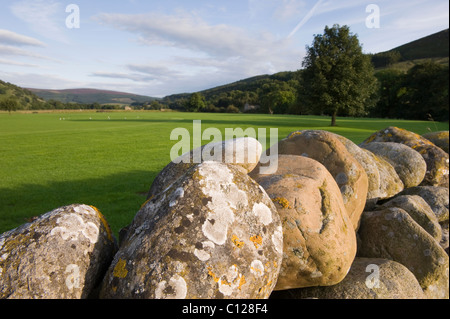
[
  {"x": 213, "y": 275},
  {"x": 104, "y": 222},
  {"x": 120, "y": 270},
  {"x": 236, "y": 242},
  {"x": 241, "y": 282},
  {"x": 256, "y": 240},
  {"x": 282, "y": 201},
  {"x": 371, "y": 138},
  {"x": 295, "y": 134}
]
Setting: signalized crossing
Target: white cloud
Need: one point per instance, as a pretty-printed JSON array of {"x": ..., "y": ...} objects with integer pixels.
[
  {"x": 6, "y": 50},
  {"x": 217, "y": 48},
  {"x": 12, "y": 38},
  {"x": 184, "y": 31},
  {"x": 9, "y": 62},
  {"x": 45, "y": 17},
  {"x": 44, "y": 81}
]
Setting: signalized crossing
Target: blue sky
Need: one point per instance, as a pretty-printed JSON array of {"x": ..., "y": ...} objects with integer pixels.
[{"x": 158, "y": 48}]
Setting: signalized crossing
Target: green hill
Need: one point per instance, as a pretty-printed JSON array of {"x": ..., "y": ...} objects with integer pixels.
[
  {"x": 26, "y": 99},
  {"x": 434, "y": 47},
  {"x": 89, "y": 96}
]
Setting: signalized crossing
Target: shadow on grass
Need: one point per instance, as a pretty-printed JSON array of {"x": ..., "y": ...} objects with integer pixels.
[{"x": 118, "y": 197}]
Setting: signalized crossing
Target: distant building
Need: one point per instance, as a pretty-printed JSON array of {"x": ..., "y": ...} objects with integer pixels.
[{"x": 248, "y": 107}]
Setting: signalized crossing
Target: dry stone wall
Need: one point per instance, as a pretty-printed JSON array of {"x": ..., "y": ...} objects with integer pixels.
[{"x": 331, "y": 212}]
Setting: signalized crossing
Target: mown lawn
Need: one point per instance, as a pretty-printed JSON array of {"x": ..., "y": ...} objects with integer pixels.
[{"x": 109, "y": 160}]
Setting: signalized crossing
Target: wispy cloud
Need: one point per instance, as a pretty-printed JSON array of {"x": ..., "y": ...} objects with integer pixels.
[
  {"x": 12, "y": 38},
  {"x": 219, "y": 42},
  {"x": 45, "y": 17},
  {"x": 9, "y": 62},
  {"x": 6, "y": 50}
]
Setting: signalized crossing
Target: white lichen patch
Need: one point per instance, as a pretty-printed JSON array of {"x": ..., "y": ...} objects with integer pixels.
[
  {"x": 230, "y": 281},
  {"x": 85, "y": 209},
  {"x": 224, "y": 197},
  {"x": 71, "y": 226},
  {"x": 263, "y": 213},
  {"x": 176, "y": 288},
  {"x": 277, "y": 239},
  {"x": 205, "y": 253},
  {"x": 257, "y": 268}
]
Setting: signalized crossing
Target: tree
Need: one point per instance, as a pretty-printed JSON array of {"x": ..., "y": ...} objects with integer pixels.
[
  {"x": 426, "y": 92},
  {"x": 337, "y": 75},
  {"x": 390, "y": 89},
  {"x": 9, "y": 104},
  {"x": 196, "y": 103}
]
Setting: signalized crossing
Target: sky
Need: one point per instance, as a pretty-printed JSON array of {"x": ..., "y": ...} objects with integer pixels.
[{"x": 157, "y": 48}]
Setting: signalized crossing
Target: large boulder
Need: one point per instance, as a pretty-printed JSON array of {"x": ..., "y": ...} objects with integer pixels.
[
  {"x": 437, "y": 160},
  {"x": 368, "y": 162},
  {"x": 328, "y": 150},
  {"x": 393, "y": 234},
  {"x": 390, "y": 183},
  {"x": 368, "y": 278},
  {"x": 63, "y": 254},
  {"x": 319, "y": 239},
  {"x": 213, "y": 233},
  {"x": 243, "y": 152},
  {"x": 440, "y": 139},
  {"x": 436, "y": 197},
  {"x": 409, "y": 164},
  {"x": 420, "y": 211}
]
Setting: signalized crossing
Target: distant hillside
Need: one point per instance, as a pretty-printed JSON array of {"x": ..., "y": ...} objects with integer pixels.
[
  {"x": 26, "y": 99},
  {"x": 434, "y": 47},
  {"x": 248, "y": 84},
  {"x": 88, "y": 96}
]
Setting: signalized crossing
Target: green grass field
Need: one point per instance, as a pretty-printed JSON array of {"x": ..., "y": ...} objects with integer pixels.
[{"x": 49, "y": 160}]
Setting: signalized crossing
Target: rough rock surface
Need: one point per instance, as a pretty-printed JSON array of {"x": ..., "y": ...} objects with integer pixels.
[
  {"x": 243, "y": 152},
  {"x": 437, "y": 160},
  {"x": 440, "y": 139},
  {"x": 327, "y": 149},
  {"x": 368, "y": 162},
  {"x": 436, "y": 197},
  {"x": 393, "y": 234},
  {"x": 214, "y": 233},
  {"x": 62, "y": 254},
  {"x": 420, "y": 211},
  {"x": 368, "y": 278},
  {"x": 390, "y": 182},
  {"x": 409, "y": 164},
  {"x": 319, "y": 239}
]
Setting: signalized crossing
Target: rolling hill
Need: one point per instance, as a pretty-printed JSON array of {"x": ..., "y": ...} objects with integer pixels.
[
  {"x": 26, "y": 99},
  {"x": 432, "y": 46},
  {"x": 84, "y": 96}
]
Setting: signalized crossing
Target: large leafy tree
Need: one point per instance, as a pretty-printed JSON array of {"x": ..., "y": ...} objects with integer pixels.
[{"x": 337, "y": 75}]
